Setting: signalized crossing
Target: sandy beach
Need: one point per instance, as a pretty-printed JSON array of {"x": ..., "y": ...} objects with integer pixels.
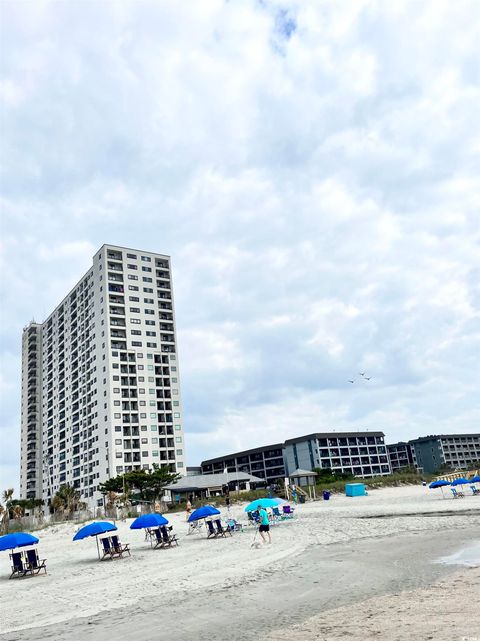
[{"x": 340, "y": 567}]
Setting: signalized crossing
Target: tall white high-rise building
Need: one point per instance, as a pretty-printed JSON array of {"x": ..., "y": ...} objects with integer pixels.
[{"x": 100, "y": 379}]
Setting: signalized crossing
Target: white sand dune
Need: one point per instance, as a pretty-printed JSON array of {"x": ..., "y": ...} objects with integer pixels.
[{"x": 78, "y": 585}]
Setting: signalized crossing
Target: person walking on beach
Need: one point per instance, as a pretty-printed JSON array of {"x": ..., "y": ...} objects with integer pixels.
[{"x": 264, "y": 525}]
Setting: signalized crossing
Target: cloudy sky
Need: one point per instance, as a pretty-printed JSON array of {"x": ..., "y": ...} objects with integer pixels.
[{"x": 312, "y": 167}]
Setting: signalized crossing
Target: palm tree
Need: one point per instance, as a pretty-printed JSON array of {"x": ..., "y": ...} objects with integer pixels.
[
  {"x": 7, "y": 497},
  {"x": 67, "y": 499},
  {"x": 17, "y": 512}
]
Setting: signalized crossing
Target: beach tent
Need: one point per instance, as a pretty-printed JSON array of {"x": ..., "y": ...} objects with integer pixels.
[
  {"x": 16, "y": 540},
  {"x": 94, "y": 529},
  {"x": 476, "y": 479}
]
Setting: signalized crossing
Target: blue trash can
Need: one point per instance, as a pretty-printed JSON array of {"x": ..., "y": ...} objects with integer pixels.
[{"x": 326, "y": 495}]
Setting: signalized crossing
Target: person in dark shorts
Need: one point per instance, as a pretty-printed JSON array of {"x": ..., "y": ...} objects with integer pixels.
[{"x": 264, "y": 528}]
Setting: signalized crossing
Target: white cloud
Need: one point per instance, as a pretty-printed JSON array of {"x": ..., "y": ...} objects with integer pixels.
[{"x": 310, "y": 167}]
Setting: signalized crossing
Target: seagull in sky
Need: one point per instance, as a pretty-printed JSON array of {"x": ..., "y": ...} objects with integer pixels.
[
  {"x": 351, "y": 381},
  {"x": 367, "y": 378},
  {"x": 362, "y": 373}
]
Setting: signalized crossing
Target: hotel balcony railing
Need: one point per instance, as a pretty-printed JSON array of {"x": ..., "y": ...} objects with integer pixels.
[{"x": 117, "y": 311}]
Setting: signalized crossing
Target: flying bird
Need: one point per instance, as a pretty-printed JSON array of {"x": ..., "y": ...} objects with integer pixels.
[
  {"x": 351, "y": 381},
  {"x": 367, "y": 378},
  {"x": 362, "y": 373}
]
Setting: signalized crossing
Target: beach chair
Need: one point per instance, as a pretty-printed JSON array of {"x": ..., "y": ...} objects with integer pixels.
[
  {"x": 276, "y": 513},
  {"x": 34, "y": 564},
  {"x": 158, "y": 541},
  {"x": 222, "y": 531},
  {"x": 18, "y": 567},
  {"x": 235, "y": 526},
  {"x": 212, "y": 533},
  {"x": 119, "y": 548},
  {"x": 195, "y": 527},
  {"x": 288, "y": 512},
  {"x": 475, "y": 490},
  {"x": 457, "y": 494},
  {"x": 168, "y": 538},
  {"x": 108, "y": 551},
  {"x": 253, "y": 517}
]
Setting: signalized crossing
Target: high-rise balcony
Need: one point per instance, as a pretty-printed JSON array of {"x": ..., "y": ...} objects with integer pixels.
[
  {"x": 118, "y": 333},
  {"x": 117, "y": 311},
  {"x": 114, "y": 267}
]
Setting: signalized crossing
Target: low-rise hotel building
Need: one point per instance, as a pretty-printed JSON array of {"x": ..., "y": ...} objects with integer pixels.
[
  {"x": 362, "y": 454},
  {"x": 455, "y": 451},
  {"x": 264, "y": 462},
  {"x": 400, "y": 455}
]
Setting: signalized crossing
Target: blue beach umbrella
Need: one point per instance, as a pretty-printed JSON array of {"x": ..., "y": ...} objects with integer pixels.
[
  {"x": 16, "y": 540},
  {"x": 94, "y": 529},
  {"x": 148, "y": 521},
  {"x": 255, "y": 505},
  {"x": 441, "y": 484},
  {"x": 203, "y": 513},
  {"x": 460, "y": 481},
  {"x": 476, "y": 479}
]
